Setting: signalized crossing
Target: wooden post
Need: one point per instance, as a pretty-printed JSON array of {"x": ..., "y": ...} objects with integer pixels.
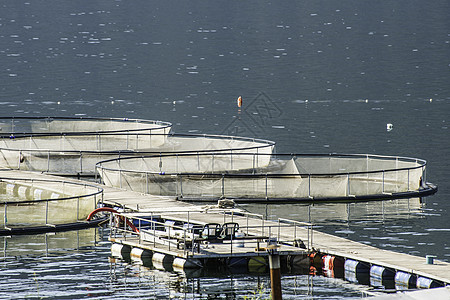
[{"x": 275, "y": 274}]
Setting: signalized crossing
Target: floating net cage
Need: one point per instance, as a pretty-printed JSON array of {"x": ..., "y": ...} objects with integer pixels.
[
  {"x": 35, "y": 126},
  {"x": 72, "y": 146},
  {"x": 256, "y": 177},
  {"x": 144, "y": 156},
  {"x": 25, "y": 203}
]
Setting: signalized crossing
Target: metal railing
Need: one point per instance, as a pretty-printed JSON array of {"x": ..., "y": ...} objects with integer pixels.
[
  {"x": 369, "y": 176},
  {"x": 16, "y": 127},
  {"x": 156, "y": 232},
  {"x": 48, "y": 209},
  {"x": 80, "y": 151}
]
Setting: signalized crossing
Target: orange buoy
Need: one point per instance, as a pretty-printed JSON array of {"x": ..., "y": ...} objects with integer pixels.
[{"x": 239, "y": 101}]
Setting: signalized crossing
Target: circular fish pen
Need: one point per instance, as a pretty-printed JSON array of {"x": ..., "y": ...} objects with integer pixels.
[
  {"x": 34, "y": 206},
  {"x": 34, "y": 126},
  {"x": 256, "y": 177},
  {"x": 72, "y": 146}
]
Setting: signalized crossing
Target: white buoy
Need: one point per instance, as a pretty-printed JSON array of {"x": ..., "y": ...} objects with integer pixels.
[
  {"x": 162, "y": 261},
  {"x": 22, "y": 191},
  {"x": 389, "y": 127},
  {"x": 182, "y": 263},
  {"x": 10, "y": 188},
  {"x": 37, "y": 194},
  {"x": 120, "y": 251},
  {"x": 140, "y": 255}
]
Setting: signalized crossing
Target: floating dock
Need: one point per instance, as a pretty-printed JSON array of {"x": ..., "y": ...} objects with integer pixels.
[
  {"x": 297, "y": 242},
  {"x": 299, "y": 246},
  {"x": 198, "y": 236},
  {"x": 149, "y": 223}
]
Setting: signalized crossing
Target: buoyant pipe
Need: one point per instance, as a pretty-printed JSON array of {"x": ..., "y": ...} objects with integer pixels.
[{"x": 112, "y": 210}]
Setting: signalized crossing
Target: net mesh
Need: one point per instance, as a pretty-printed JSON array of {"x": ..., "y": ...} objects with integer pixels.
[
  {"x": 24, "y": 125},
  {"x": 79, "y": 153},
  {"x": 219, "y": 176},
  {"x": 67, "y": 202}
]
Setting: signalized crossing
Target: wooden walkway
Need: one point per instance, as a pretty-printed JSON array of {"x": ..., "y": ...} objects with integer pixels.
[{"x": 322, "y": 242}]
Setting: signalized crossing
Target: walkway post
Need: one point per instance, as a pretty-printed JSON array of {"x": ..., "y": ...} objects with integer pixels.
[
  {"x": 5, "y": 220},
  {"x": 275, "y": 273}
]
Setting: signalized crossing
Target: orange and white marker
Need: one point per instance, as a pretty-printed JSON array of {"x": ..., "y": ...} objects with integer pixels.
[{"x": 239, "y": 101}]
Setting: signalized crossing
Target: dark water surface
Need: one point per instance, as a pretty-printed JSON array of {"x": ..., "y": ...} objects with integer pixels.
[{"x": 315, "y": 76}]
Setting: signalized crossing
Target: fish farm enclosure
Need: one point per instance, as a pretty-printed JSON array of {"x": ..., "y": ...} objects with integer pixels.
[
  {"x": 263, "y": 177},
  {"x": 143, "y": 178},
  {"x": 144, "y": 156}
]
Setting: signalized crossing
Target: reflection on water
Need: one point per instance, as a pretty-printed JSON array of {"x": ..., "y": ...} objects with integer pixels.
[
  {"x": 187, "y": 62},
  {"x": 338, "y": 213},
  {"x": 151, "y": 282},
  {"x": 47, "y": 244},
  {"x": 399, "y": 225},
  {"x": 77, "y": 264}
]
